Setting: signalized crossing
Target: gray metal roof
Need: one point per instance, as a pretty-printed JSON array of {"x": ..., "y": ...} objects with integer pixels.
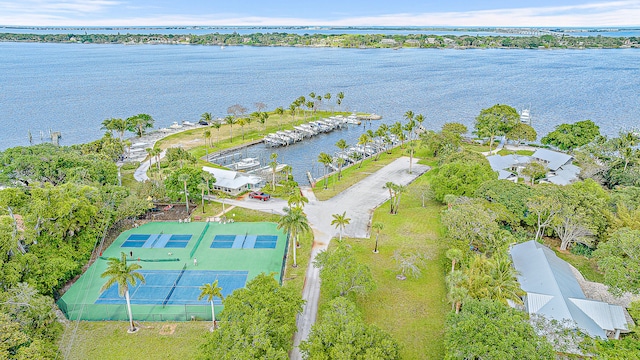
[
  {"x": 554, "y": 292},
  {"x": 498, "y": 162},
  {"x": 232, "y": 179},
  {"x": 564, "y": 175},
  {"x": 553, "y": 159}
]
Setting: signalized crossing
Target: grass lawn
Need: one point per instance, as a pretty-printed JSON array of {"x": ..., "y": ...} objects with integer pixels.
[
  {"x": 504, "y": 152},
  {"x": 154, "y": 340},
  {"x": 412, "y": 311}
]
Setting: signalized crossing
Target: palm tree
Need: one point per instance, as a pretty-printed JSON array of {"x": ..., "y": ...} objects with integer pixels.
[
  {"x": 211, "y": 291},
  {"x": 207, "y": 176},
  {"x": 279, "y": 111},
  {"x": 274, "y": 166},
  {"x": 230, "y": 120},
  {"x": 419, "y": 119},
  {"x": 207, "y": 136},
  {"x": 457, "y": 293},
  {"x": 454, "y": 255},
  {"x": 242, "y": 122},
  {"x": 297, "y": 199},
  {"x": 217, "y": 125},
  {"x": 292, "y": 111},
  {"x": 295, "y": 222},
  {"x": 363, "y": 141},
  {"x": 115, "y": 124},
  {"x": 325, "y": 159},
  {"x": 150, "y": 154},
  {"x": 377, "y": 226},
  {"x": 156, "y": 153},
  {"x": 118, "y": 272},
  {"x": 504, "y": 286},
  {"x": 342, "y": 145},
  {"x": 206, "y": 117},
  {"x": 340, "y": 98},
  {"x": 310, "y": 105},
  {"x": 327, "y": 97},
  {"x": 203, "y": 187},
  {"x": 184, "y": 178},
  {"x": 340, "y": 221}
]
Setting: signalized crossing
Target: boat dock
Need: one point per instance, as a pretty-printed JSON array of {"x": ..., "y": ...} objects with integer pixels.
[{"x": 307, "y": 130}]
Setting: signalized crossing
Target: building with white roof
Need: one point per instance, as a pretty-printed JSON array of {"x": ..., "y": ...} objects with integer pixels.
[
  {"x": 561, "y": 169},
  {"x": 553, "y": 291},
  {"x": 234, "y": 182}
]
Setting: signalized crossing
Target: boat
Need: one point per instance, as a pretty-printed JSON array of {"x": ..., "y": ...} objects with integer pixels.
[
  {"x": 175, "y": 125},
  {"x": 187, "y": 123},
  {"x": 525, "y": 116},
  {"x": 245, "y": 164}
]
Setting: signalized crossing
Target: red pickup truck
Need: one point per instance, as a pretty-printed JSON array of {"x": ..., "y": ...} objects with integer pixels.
[{"x": 259, "y": 195}]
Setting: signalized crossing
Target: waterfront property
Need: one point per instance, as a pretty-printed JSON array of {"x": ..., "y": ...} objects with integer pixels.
[
  {"x": 177, "y": 259},
  {"x": 561, "y": 170},
  {"x": 553, "y": 291},
  {"x": 234, "y": 182}
]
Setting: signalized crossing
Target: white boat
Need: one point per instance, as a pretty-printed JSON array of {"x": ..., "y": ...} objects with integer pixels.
[
  {"x": 187, "y": 123},
  {"x": 525, "y": 116},
  {"x": 245, "y": 164},
  {"x": 175, "y": 125}
]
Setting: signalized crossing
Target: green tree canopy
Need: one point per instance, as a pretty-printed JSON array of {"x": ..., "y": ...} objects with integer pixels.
[
  {"x": 341, "y": 274},
  {"x": 571, "y": 136},
  {"x": 342, "y": 334},
  {"x": 486, "y": 329},
  {"x": 461, "y": 178},
  {"x": 619, "y": 258}
]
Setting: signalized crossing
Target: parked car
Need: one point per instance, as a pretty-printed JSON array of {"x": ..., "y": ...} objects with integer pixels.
[
  {"x": 203, "y": 122},
  {"x": 259, "y": 195}
]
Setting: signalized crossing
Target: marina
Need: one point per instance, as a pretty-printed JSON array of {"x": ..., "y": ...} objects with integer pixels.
[{"x": 310, "y": 129}]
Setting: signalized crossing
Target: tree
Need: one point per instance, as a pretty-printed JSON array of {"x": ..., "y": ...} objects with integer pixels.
[
  {"x": 183, "y": 178},
  {"x": 138, "y": 123},
  {"x": 242, "y": 122},
  {"x": 340, "y": 221},
  {"x": 208, "y": 178},
  {"x": 340, "y": 98},
  {"x": 326, "y": 160},
  {"x": 495, "y": 121},
  {"x": 572, "y": 225},
  {"x": 327, "y": 97},
  {"x": 534, "y": 170},
  {"x": 274, "y": 166},
  {"x": 457, "y": 293},
  {"x": 279, "y": 111},
  {"x": 378, "y": 227},
  {"x": 407, "y": 264},
  {"x": 207, "y": 136},
  {"x": 545, "y": 207},
  {"x": 522, "y": 132},
  {"x": 230, "y": 120},
  {"x": 619, "y": 259},
  {"x": 342, "y": 145},
  {"x": 489, "y": 330},
  {"x": 571, "y": 136},
  {"x": 395, "y": 193},
  {"x": 461, "y": 178},
  {"x": 116, "y": 124},
  {"x": 217, "y": 125},
  {"x": 455, "y": 255},
  {"x": 118, "y": 272},
  {"x": 297, "y": 200},
  {"x": 202, "y": 187},
  {"x": 295, "y": 223},
  {"x": 343, "y": 334},
  {"x": 257, "y": 322},
  {"x": 206, "y": 117},
  {"x": 341, "y": 274},
  {"x": 211, "y": 291}
]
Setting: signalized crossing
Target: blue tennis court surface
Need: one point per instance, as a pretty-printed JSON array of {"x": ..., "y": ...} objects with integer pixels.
[
  {"x": 244, "y": 242},
  {"x": 155, "y": 241},
  {"x": 175, "y": 287}
]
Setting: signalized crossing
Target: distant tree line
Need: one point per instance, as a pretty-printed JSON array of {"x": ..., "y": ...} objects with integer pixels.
[{"x": 557, "y": 41}]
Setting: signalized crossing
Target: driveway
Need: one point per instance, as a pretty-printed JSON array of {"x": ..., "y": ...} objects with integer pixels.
[{"x": 359, "y": 201}]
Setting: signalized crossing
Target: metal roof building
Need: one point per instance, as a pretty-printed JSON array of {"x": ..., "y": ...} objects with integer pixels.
[
  {"x": 554, "y": 292},
  {"x": 233, "y": 182}
]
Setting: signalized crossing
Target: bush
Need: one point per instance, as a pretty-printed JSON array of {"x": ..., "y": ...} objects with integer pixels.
[{"x": 581, "y": 249}]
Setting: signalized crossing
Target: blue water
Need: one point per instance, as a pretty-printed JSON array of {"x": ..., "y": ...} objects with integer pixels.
[{"x": 72, "y": 88}]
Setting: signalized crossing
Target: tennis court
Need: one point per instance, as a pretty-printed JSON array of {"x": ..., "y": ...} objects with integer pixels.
[{"x": 177, "y": 259}]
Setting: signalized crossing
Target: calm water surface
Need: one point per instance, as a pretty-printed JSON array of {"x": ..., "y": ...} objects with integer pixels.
[{"x": 72, "y": 88}]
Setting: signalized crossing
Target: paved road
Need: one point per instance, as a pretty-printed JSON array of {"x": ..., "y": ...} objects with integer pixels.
[{"x": 359, "y": 202}]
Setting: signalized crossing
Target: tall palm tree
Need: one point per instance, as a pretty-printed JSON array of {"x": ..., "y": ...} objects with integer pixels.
[
  {"x": 504, "y": 286},
  {"x": 342, "y": 145},
  {"x": 297, "y": 200},
  {"x": 340, "y": 221},
  {"x": 274, "y": 166},
  {"x": 118, "y": 272},
  {"x": 295, "y": 222},
  {"x": 363, "y": 141},
  {"x": 327, "y": 97},
  {"x": 292, "y": 111},
  {"x": 156, "y": 153},
  {"x": 203, "y": 187},
  {"x": 217, "y": 125},
  {"x": 150, "y": 154},
  {"x": 325, "y": 159},
  {"x": 455, "y": 255},
  {"x": 207, "y": 136},
  {"x": 211, "y": 291},
  {"x": 230, "y": 120},
  {"x": 242, "y": 122},
  {"x": 264, "y": 116},
  {"x": 377, "y": 226},
  {"x": 115, "y": 124},
  {"x": 419, "y": 119},
  {"x": 457, "y": 293},
  {"x": 207, "y": 176},
  {"x": 340, "y": 98},
  {"x": 184, "y": 178},
  {"x": 206, "y": 117},
  {"x": 279, "y": 111}
]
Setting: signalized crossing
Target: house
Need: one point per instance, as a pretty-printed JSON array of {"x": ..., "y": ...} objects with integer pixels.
[
  {"x": 561, "y": 169},
  {"x": 233, "y": 182},
  {"x": 553, "y": 291}
]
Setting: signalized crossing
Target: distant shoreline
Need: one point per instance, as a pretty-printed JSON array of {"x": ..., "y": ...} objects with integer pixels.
[{"x": 538, "y": 39}]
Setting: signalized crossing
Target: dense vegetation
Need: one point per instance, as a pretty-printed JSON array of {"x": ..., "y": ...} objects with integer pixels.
[{"x": 548, "y": 41}]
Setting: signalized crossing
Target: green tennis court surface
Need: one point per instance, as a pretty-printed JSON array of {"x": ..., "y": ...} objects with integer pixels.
[{"x": 177, "y": 259}]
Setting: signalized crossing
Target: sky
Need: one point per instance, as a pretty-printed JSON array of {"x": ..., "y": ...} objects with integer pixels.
[{"x": 427, "y": 13}]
